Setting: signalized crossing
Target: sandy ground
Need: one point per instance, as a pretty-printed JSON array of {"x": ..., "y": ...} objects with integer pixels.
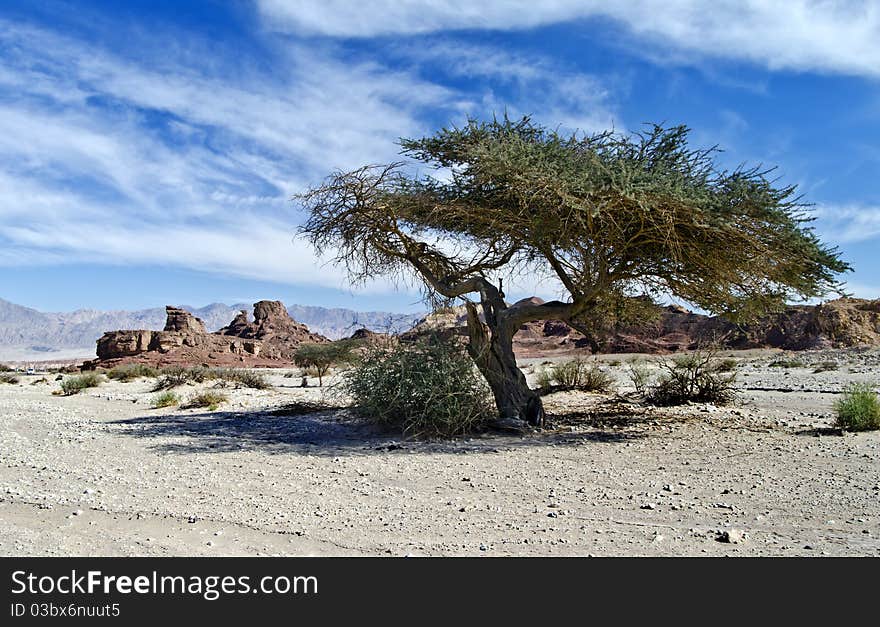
[{"x": 101, "y": 473}]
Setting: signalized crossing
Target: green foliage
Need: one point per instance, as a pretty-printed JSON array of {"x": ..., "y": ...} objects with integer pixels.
[
  {"x": 692, "y": 378},
  {"x": 606, "y": 212},
  {"x": 246, "y": 378},
  {"x": 544, "y": 377},
  {"x": 319, "y": 358},
  {"x": 211, "y": 399},
  {"x": 75, "y": 384},
  {"x": 640, "y": 374},
  {"x": 424, "y": 389},
  {"x": 726, "y": 365},
  {"x": 579, "y": 374},
  {"x": 8, "y": 377},
  {"x": 858, "y": 409},
  {"x": 130, "y": 372},
  {"x": 173, "y": 376},
  {"x": 166, "y": 399},
  {"x": 5, "y": 368}
]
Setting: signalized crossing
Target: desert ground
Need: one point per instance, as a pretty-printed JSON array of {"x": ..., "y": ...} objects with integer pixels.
[{"x": 103, "y": 473}]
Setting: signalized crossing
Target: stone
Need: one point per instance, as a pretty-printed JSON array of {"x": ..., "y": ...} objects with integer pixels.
[{"x": 731, "y": 536}]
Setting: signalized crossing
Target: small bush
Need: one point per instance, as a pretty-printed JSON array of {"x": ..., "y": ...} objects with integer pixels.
[
  {"x": 858, "y": 409},
  {"x": 74, "y": 385},
  {"x": 173, "y": 376},
  {"x": 5, "y": 368},
  {"x": 8, "y": 377},
  {"x": 428, "y": 388},
  {"x": 166, "y": 399},
  {"x": 544, "y": 378},
  {"x": 209, "y": 398},
  {"x": 826, "y": 366},
  {"x": 787, "y": 363},
  {"x": 130, "y": 372},
  {"x": 692, "y": 378},
  {"x": 640, "y": 375},
  {"x": 247, "y": 378},
  {"x": 726, "y": 365},
  {"x": 579, "y": 374}
]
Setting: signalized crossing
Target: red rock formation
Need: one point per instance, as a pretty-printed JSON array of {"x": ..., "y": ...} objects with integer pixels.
[
  {"x": 836, "y": 324},
  {"x": 270, "y": 340}
]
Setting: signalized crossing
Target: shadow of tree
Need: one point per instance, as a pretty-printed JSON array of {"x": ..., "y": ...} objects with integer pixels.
[{"x": 329, "y": 432}]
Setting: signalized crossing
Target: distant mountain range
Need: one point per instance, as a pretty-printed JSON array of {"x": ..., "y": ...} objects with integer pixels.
[{"x": 28, "y": 334}]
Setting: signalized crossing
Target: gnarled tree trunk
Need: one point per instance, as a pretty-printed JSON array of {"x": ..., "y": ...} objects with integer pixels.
[{"x": 491, "y": 348}]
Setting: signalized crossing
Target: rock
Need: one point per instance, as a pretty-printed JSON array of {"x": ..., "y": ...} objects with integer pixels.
[
  {"x": 270, "y": 340},
  {"x": 183, "y": 321},
  {"x": 731, "y": 536}
]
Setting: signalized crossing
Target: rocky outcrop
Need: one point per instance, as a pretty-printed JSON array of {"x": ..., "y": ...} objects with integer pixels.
[
  {"x": 838, "y": 323},
  {"x": 270, "y": 340},
  {"x": 181, "y": 321}
]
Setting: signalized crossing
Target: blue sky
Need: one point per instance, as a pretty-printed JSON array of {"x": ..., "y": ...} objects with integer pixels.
[{"x": 149, "y": 149}]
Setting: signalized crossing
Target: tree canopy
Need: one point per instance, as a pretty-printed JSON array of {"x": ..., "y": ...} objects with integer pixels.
[{"x": 609, "y": 215}]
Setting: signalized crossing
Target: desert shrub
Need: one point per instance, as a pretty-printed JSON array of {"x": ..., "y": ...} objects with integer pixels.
[
  {"x": 614, "y": 363},
  {"x": 211, "y": 399},
  {"x": 317, "y": 359},
  {"x": 166, "y": 399},
  {"x": 427, "y": 388},
  {"x": 826, "y": 366},
  {"x": 8, "y": 377},
  {"x": 692, "y": 378},
  {"x": 173, "y": 376},
  {"x": 5, "y": 368},
  {"x": 74, "y": 385},
  {"x": 786, "y": 363},
  {"x": 858, "y": 409},
  {"x": 544, "y": 377},
  {"x": 246, "y": 378},
  {"x": 130, "y": 372},
  {"x": 40, "y": 381},
  {"x": 640, "y": 375},
  {"x": 579, "y": 374},
  {"x": 726, "y": 365}
]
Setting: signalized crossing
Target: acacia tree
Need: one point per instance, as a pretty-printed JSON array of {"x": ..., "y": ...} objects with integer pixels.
[{"x": 607, "y": 215}]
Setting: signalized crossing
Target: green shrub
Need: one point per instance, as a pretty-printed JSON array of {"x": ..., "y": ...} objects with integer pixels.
[
  {"x": 5, "y": 368},
  {"x": 427, "y": 388},
  {"x": 130, "y": 372},
  {"x": 858, "y": 409},
  {"x": 544, "y": 377},
  {"x": 726, "y": 365},
  {"x": 173, "y": 376},
  {"x": 208, "y": 398},
  {"x": 247, "y": 378},
  {"x": 692, "y": 378},
  {"x": 640, "y": 375},
  {"x": 166, "y": 399},
  {"x": 8, "y": 377},
  {"x": 579, "y": 374},
  {"x": 74, "y": 385}
]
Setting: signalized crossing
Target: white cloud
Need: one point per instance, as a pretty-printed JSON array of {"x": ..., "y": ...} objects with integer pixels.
[
  {"x": 815, "y": 35},
  {"x": 163, "y": 159},
  {"x": 848, "y": 223}
]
